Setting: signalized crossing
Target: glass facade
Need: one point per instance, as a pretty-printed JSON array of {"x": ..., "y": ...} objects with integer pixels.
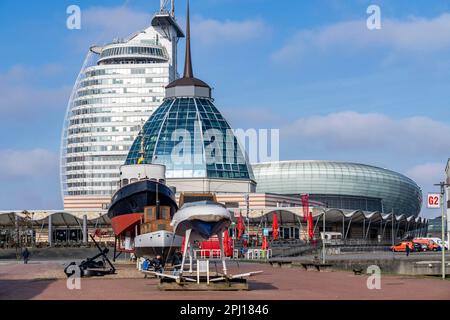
[
  {"x": 193, "y": 140},
  {"x": 118, "y": 89},
  {"x": 342, "y": 185}
]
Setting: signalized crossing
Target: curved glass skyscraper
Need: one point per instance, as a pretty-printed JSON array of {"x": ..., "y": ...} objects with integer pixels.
[{"x": 119, "y": 87}]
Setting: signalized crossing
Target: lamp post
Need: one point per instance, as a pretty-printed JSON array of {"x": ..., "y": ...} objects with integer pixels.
[
  {"x": 443, "y": 185},
  {"x": 247, "y": 204},
  {"x": 323, "y": 239}
]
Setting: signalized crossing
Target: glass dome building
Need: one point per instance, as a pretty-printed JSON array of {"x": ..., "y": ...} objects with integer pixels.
[
  {"x": 190, "y": 125},
  {"x": 342, "y": 185},
  {"x": 189, "y": 135}
]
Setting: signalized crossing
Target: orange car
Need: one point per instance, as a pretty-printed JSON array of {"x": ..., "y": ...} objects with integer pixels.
[
  {"x": 431, "y": 245},
  {"x": 401, "y": 247}
]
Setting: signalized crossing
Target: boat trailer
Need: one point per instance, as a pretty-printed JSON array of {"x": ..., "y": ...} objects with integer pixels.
[{"x": 202, "y": 280}]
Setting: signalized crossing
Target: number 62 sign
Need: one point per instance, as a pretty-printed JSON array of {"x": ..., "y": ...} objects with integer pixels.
[{"x": 434, "y": 201}]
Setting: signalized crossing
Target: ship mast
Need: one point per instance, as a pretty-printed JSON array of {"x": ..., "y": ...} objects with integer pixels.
[{"x": 142, "y": 146}]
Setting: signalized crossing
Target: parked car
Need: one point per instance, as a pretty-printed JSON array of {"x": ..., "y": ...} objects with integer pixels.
[
  {"x": 431, "y": 245},
  {"x": 401, "y": 246},
  {"x": 419, "y": 247}
]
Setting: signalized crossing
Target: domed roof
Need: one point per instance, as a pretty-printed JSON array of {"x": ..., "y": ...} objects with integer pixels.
[
  {"x": 193, "y": 140},
  {"x": 397, "y": 192}
]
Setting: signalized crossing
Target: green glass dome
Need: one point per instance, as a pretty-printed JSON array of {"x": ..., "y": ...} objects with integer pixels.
[{"x": 192, "y": 139}]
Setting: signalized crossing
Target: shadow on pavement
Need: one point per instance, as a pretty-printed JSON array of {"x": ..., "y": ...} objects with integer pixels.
[
  {"x": 22, "y": 289},
  {"x": 261, "y": 286}
]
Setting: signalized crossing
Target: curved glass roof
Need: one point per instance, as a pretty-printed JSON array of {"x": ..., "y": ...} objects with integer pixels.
[
  {"x": 397, "y": 192},
  {"x": 193, "y": 140}
]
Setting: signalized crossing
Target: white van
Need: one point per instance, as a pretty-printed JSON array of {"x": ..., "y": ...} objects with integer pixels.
[
  {"x": 438, "y": 241},
  {"x": 331, "y": 237}
]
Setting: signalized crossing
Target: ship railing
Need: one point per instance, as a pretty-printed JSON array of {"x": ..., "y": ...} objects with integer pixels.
[
  {"x": 207, "y": 254},
  {"x": 255, "y": 254}
]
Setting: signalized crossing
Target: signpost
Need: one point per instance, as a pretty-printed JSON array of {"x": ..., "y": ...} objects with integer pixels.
[
  {"x": 433, "y": 200},
  {"x": 436, "y": 201}
]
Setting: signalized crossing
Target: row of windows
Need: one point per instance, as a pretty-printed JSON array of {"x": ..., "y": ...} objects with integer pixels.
[
  {"x": 92, "y": 184},
  {"x": 112, "y": 158},
  {"x": 117, "y": 100},
  {"x": 114, "y": 109},
  {"x": 92, "y": 176},
  {"x": 90, "y": 192},
  {"x": 101, "y": 139},
  {"x": 96, "y": 149},
  {"x": 124, "y": 71},
  {"x": 86, "y": 167},
  {"x": 122, "y": 61},
  {"x": 83, "y": 93},
  {"x": 115, "y": 81},
  {"x": 92, "y": 129},
  {"x": 105, "y": 120},
  {"x": 132, "y": 50}
]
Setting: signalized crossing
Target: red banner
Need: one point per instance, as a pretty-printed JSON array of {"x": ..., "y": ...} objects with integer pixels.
[
  {"x": 275, "y": 226},
  {"x": 305, "y": 205}
]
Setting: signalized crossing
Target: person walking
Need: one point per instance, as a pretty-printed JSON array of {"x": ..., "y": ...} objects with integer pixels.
[
  {"x": 177, "y": 259},
  {"x": 25, "y": 256},
  {"x": 408, "y": 249}
]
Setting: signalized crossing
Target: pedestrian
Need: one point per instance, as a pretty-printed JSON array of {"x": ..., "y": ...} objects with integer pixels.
[
  {"x": 177, "y": 259},
  {"x": 408, "y": 249},
  {"x": 158, "y": 264},
  {"x": 26, "y": 256}
]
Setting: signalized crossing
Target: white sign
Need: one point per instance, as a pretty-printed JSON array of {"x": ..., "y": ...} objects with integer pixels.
[{"x": 434, "y": 201}]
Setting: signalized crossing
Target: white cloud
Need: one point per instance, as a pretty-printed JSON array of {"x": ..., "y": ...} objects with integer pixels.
[
  {"x": 415, "y": 35},
  {"x": 210, "y": 31},
  {"x": 366, "y": 131},
  {"x": 427, "y": 174},
  {"x": 36, "y": 163}
]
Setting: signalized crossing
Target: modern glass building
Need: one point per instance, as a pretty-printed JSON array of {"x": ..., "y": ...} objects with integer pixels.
[
  {"x": 120, "y": 85},
  {"x": 190, "y": 125},
  {"x": 189, "y": 135},
  {"x": 341, "y": 185}
]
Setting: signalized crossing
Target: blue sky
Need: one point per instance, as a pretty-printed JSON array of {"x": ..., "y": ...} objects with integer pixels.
[{"x": 335, "y": 89}]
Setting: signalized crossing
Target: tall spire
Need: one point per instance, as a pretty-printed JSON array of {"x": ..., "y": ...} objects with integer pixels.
[{"x": 188, "y": 73}]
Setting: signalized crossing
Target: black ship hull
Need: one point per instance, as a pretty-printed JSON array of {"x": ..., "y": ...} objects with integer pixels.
[{"x": 133, "y": 198}]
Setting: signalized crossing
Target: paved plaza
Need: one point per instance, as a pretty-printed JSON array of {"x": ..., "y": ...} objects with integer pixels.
[{"x": 46, "y": 280}]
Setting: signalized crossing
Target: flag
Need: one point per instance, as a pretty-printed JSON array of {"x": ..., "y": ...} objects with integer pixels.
[
  {"x": 240, "y": 227},
  {"x": 305, "y": 205},
  {"x": 141, "y": 160},
  {"x": 310, "y": 226},
  {"x": 265, "y": 245},
  {"x": 275, "y": 226},
  {"x": 227, "y": 245}
]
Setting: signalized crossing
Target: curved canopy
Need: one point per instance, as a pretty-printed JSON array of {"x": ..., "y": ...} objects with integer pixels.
[
  {"x": 332, "y": 215},
  {"x": 59, "y": 218}
]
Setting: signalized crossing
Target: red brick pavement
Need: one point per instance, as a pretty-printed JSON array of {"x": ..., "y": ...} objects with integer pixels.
[{"x": 22, "y": 282}]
